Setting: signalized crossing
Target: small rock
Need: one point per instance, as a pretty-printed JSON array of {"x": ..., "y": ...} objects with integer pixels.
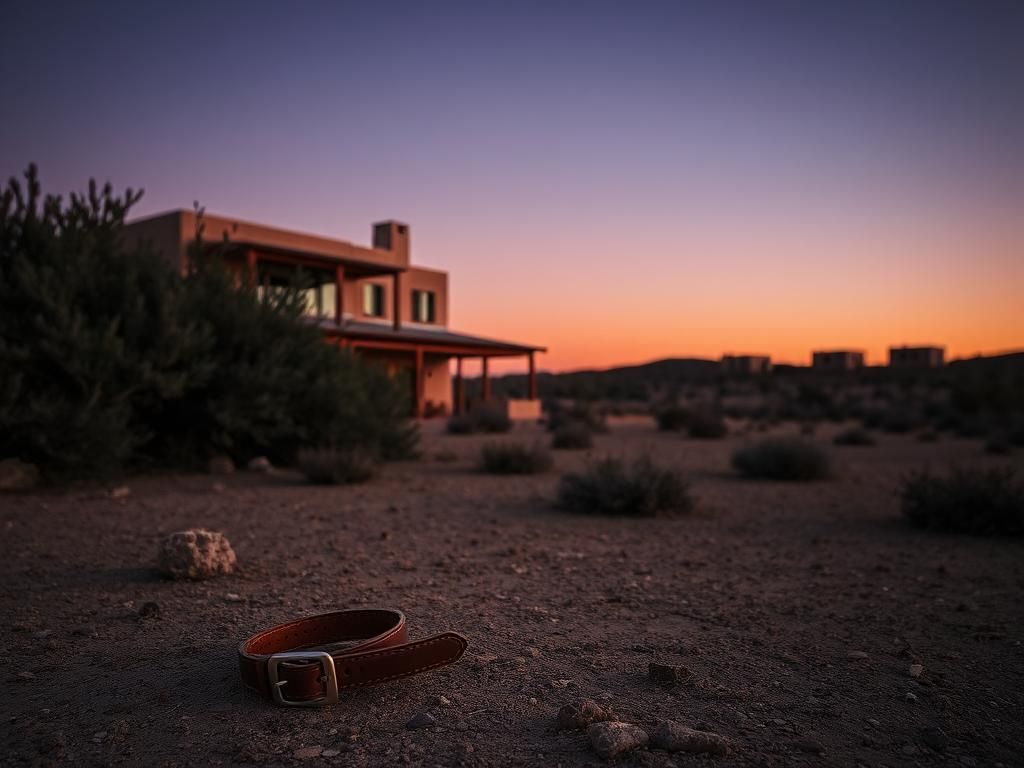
[
  {"x": 261, "y": 464},
  {"x": 916, "y": 670},
  {"x": 421, "y": 720},
  {"x": 26, "y": 676},
  {"x": 562, "y": 683},
  {"x": 674, "y": 737},
  {"x": 18, "y": 475},
  {"x": 233, "y": 597},
  {"x": 854, "y": 655},
  {"x": 307, "y": 753},
  {"x": 445, "y": 701},
  {"x": 220, "y": 465},
  {"x": 669, "y": 673},
  {"x": 579, "y": 716},
  {"x": 195, "y": 554},
  {"x": 910, "y": 697},
  {"x": 935, "y": 738},
  {"x": 149, "y": 610},
  {"x": 330, "y": 753},
  {"x": 121, "y": 492},
  {"x": 614, "y": 738},
  {"x": 810, "y": 746}
]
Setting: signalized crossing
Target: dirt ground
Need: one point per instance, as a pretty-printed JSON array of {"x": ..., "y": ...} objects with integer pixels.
[{"x": 800, "y": 607}]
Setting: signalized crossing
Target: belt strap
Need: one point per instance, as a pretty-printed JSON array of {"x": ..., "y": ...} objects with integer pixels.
[{"x": 291, "y": 663}]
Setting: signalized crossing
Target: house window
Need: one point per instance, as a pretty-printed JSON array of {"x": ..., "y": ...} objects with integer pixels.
[
  {"x": 373, "y": 300},
  {"x": 424, "y": 307}
]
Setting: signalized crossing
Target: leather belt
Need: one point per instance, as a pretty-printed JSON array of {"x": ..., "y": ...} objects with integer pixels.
[{"x": 291, "y": 665}]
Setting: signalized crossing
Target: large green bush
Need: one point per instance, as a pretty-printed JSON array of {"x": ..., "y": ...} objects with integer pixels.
[{"x": 108, "y": 358}]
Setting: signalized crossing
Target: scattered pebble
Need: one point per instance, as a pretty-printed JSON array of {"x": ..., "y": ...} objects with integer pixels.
[
  {"x": 220, "y": 465},
  {"x": 611, "y": 739},
  {"x": 17, "y": 475},
  {"x": 854, "y": 655},
  {"x": 195, "y": 554},
  {"x": 916, "y": 670},
  {"x": 579, "y": 716},
  {"x": 910, "y": 697},
  {"x": 307, "y": 753},
  {"x": 669, "y": 673},
  {"x": 233, "y": 597},
  {"x": 261, "y": 464},
  {"x": 330, "y": 753},
  {"x": 121, "y": 492},
  {"x": 421, "y": 720},
  {"x": 674, "y": 737}
]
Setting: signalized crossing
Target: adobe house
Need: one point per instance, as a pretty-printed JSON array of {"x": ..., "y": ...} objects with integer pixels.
[
  {"x": 367, "y": 299},
  {"x": 917, "y": 357},
  {"x": 746, "y": 365},
  {"x": 837, "y": 360}
]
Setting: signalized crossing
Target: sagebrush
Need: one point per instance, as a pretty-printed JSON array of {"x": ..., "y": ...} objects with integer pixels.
[
  {"x": 782, "y": 459},
  {"x": 615, "y": 486},
  {"x": 515, "y": 459},
  {"x": 974, "y": 501}
]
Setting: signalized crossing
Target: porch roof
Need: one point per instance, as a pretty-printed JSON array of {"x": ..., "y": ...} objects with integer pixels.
[{"x": 439, "y": 340}]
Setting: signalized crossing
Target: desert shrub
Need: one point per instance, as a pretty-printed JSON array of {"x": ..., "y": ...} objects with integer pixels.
[
  {"x": 782, "y": 459},
  {"x": 573, "y": 436},
  {"x": 483, "y": 419},
  {"x": 578, "y": 413},
  {"x": 514, "y": 459},
  {"x": 854, "y": 436},
  {"x": 672, "y": 418},
  {"x": 109, "y": 358},
  {"x": 612, "y": 486},
  {"x": 976, "y": 501},
  {"x": 706, "y": 424},
  {"x": 998, "y": 444},
  {"x": 900, "y": 419},
  {"x": 337, "y": 466}
]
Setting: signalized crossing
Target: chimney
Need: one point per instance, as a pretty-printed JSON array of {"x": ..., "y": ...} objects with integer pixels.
[{"x": 393, "y": 236}]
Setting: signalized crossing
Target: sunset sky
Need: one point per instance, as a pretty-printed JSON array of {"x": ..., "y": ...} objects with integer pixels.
[{"x": 618, "y": 181}]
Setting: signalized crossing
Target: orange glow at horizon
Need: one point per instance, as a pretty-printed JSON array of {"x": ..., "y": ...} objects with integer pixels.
[{"x": 770, "y": 290}]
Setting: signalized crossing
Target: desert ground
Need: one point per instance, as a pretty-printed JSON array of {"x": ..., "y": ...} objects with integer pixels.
[{"x": 800, "y": 608}]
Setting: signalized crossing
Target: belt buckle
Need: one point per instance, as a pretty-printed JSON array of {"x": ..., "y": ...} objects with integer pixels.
[{"x": 329, "y": 677}]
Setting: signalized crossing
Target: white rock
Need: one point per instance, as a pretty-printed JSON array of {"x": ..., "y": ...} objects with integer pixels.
[{"x": 196, "y": 554}]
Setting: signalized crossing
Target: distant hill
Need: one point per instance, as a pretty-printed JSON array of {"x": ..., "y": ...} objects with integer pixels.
[
  {"x": 1007, "y": 362},
  {"x": 661, "y": 377},
  {"x": 633, "y": 382}
]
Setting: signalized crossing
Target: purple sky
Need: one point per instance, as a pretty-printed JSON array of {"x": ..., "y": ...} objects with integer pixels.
[{"x": 661, "y": 178}]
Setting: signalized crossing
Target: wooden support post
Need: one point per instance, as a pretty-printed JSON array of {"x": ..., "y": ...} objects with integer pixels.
[
  {"x": 396, "y": 302},
  {"x": 418, "y": 383},
  {"x": 251, "y": 268},
  {"x": 339, "y": 294},
  {"x": 485, "y": 391},
  {"x": 460, "y": 394},
  {"x": 532, "y": 379}
]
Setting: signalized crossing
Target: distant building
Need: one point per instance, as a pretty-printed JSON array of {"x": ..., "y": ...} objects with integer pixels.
[
  {"x": 746, "y": 365},
  {"x": 837, "y": 360},
  {"x": 917, "y": 357}
]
